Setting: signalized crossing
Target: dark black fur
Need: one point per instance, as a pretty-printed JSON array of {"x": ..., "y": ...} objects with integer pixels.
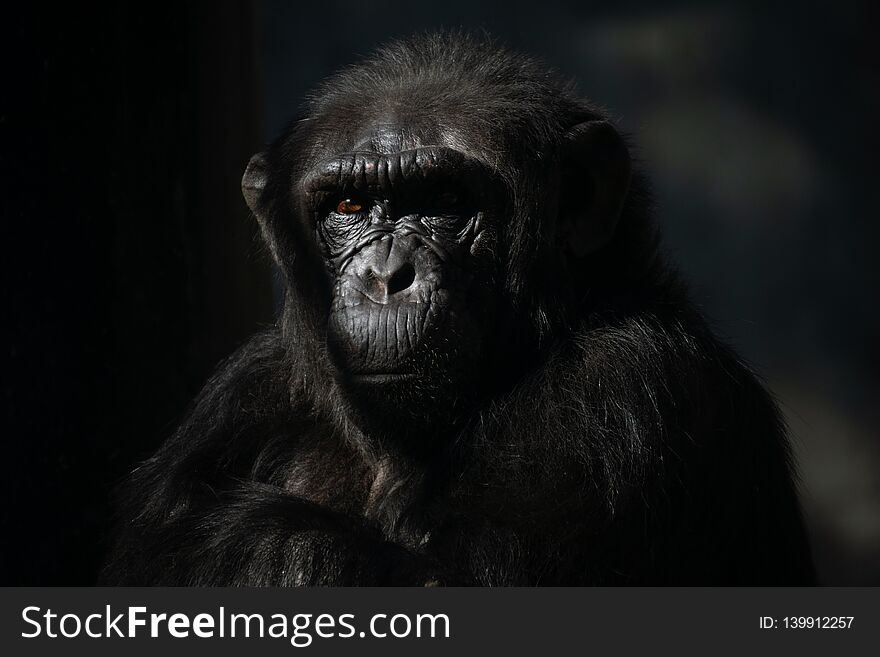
[{"x": 615, "y": 440}]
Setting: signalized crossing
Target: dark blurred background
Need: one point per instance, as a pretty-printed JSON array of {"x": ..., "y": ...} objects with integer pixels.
[{"x": 131, "y": 267}]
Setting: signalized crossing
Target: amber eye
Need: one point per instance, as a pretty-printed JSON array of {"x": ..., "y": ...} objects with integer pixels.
[{"x": 348, "y": 207}]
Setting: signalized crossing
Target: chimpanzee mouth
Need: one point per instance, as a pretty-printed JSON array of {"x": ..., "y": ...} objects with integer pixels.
[{"x": 383, "y": 340}]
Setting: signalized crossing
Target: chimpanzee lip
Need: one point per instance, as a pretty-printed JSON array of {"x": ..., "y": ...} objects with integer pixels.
[{"x": 383, "y": 338}]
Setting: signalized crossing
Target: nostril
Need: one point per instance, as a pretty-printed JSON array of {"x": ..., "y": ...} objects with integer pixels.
[{"x": 401, "y": 279}]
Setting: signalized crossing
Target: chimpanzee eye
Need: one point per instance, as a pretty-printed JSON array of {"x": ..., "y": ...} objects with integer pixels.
[
  {"x": 446, "y": 199},
  {"x": 348, "y": 206}
]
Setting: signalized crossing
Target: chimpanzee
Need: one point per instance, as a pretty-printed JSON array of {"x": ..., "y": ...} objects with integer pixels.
[{"x": 485, "y": 372}]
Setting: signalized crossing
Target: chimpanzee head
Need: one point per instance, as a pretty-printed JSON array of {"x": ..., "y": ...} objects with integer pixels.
[{"x": 426, "y": 214}]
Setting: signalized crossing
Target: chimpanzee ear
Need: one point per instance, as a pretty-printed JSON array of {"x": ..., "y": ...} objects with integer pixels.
[
  {"x": 595, "y": 180},
  {"x": 253, "y": 182}
]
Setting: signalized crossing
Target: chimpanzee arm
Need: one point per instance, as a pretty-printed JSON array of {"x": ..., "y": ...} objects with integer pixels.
[
  {"x": 254, "y": 536},
  {"x": 193, "y": 516}
]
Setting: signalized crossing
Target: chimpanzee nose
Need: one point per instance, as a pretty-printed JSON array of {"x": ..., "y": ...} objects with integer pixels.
[
  {"x": 396, "y": 280},
  {"x": 389, "y": 270}
]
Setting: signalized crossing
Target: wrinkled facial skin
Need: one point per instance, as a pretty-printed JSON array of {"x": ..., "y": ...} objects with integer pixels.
[{"x": 401, "y": 233}]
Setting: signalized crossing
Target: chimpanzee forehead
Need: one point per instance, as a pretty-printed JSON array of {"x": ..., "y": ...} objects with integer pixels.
[
  {"x": 370, "y": 171},
  {"x": 389, "y": 134},
  {"x": 388, "y": 151},
  {"x": 387, "y": 138}
]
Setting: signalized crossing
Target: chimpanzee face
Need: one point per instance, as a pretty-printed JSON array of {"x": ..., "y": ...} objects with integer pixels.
[
  {"x": 404, "y": 230},
  {"x": 413, "y": 227}
]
